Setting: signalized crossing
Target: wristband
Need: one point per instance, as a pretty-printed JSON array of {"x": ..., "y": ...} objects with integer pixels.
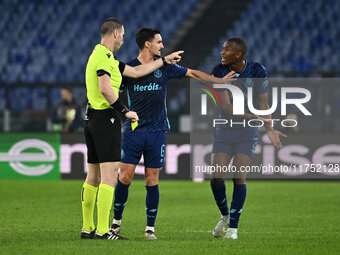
[
  {"x": 164, "y": 61},
  {"x": 120, "y": 107}
]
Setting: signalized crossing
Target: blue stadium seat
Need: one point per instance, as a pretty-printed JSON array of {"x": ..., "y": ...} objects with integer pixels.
[
  {"x": 39, "y": 99},
  {"x": 54, "y": 30},
  {"x": 2, "y": 99},
  {"x": 304, "y": 30},
  {"x": 25, "y": 96}
]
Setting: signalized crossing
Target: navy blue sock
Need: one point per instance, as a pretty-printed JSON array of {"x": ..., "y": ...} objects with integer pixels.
[
  {"x": 220, "y": 197},
  {"x": 152, "y": 201},
  {"x": 239, "y": 196},
  {"x": 121, "y": 195}
]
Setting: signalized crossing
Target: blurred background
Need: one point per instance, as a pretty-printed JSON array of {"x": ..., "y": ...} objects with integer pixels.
[{"x": 45, "y": 44}]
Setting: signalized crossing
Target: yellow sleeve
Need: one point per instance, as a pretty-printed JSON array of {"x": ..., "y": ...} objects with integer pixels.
[{"x": 105, "y": 65}]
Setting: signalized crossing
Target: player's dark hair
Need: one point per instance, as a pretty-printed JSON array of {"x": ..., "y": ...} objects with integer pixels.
[
  {"x": 109, "y": 25},
  {"x": 144, "y": 35},
  {"x": 240, "y": 44},
  {"x": 68, "y": 88}
]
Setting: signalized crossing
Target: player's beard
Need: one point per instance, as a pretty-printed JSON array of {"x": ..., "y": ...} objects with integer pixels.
[{"x": 157, "y": 54}]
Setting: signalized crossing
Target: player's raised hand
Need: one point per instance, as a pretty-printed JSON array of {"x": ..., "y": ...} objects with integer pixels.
[
  {"x": 230, "y": 77},
  {"x": 174, "y": 57},
  {"x": 265, "y": 120},
  {"x": 132, "y": 115},
  {"x": 274, "y": 136}
]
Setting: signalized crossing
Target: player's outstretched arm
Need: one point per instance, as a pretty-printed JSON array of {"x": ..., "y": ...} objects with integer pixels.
[
  {"x": 201, "y": 76},
  {"x": 142, "y": 70},
  {"x": 273, "y": 134},
  {"x": 227, "y": 107}
]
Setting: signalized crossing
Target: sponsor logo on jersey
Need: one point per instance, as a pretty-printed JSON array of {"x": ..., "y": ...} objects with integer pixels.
[{"x": 150, "y": 87}]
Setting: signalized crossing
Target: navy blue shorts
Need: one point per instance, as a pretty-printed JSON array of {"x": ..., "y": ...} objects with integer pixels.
[
  {"x": 150, "y": 144},
  {"x": 232, "y": 141}
]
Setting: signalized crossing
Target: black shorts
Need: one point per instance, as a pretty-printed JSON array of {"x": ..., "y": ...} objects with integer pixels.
[{"x": 103, "y": 136}]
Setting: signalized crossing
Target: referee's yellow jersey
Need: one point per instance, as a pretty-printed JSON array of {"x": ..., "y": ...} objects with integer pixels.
[{"x": 102, "y": 61}]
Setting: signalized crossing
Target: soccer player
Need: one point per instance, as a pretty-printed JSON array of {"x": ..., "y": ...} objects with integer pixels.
[
  {"x": 102, "y": 125},
  {"x": 147, "y": 97},
  {"x": 237, "y": 142}
]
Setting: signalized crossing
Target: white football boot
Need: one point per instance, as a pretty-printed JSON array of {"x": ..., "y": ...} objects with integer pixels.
[
  {"x": 219, "y": 229},
  {"x": 150, "y": 233},
  {"x": 231, "y": 233},
  {"x": 116, "y": 226}
]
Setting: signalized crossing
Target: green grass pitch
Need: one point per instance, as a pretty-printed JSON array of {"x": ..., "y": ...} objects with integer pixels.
[{"x": 44, "y": 217}]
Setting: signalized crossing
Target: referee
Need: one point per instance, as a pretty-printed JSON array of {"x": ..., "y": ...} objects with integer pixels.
[{"x": 102, "y": 125}]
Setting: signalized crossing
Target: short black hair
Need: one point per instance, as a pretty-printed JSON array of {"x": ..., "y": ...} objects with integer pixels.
[
  {"x": 109, "y": 25},
  {"x": 68, "y": 88},
  {"x": 240, "y": 44},
  {"x": 144, "y": 35}
]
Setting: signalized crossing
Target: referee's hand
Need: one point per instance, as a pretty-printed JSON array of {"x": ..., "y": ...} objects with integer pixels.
[{"x": 132, "y": 115}]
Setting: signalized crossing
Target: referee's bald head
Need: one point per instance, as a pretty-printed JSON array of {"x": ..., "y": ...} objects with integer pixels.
[{"x": 109, "y": 25}]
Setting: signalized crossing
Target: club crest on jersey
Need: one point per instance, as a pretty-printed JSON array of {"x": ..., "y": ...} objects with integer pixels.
[
  {"x": 249, "y": 83},
  {"x": 157, "y": 73},
  {"x": 265, "y": 82}
]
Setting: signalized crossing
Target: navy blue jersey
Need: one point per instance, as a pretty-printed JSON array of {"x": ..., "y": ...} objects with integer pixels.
[
  {"x": 253, "y": 75},
  {"x": 147, "y": 97}
]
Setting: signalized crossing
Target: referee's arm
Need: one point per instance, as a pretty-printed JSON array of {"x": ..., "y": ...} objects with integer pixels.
[
  {"x": 106, "y": 89},
  {"x": 111, "y": 97}
]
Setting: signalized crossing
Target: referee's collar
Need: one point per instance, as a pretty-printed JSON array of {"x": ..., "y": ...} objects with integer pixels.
[{"x": 108, "y": 50}]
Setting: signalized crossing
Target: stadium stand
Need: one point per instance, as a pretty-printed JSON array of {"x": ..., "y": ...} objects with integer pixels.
[
  {"x": 46, "y": 43},
  {"x": 287, "y": 36},
  {"x": 49, "y": 41}
]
